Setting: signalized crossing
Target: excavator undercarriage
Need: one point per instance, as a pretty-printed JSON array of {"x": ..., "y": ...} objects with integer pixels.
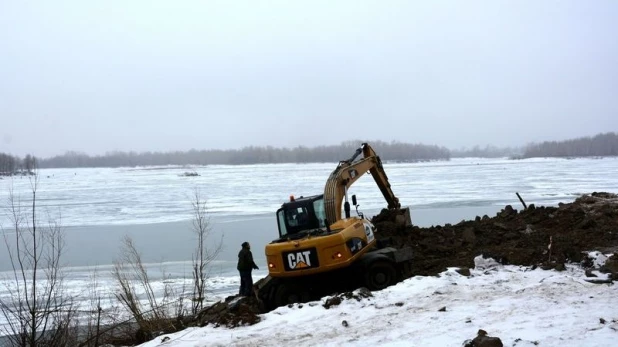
[{"x": 375, "y": 271}]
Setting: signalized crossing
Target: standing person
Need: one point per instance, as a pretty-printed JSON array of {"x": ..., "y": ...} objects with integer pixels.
[{"x": 245, "y": 266}]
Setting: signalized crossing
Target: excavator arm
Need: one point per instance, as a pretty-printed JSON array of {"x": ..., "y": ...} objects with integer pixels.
[{"x": 346, "y": 173}]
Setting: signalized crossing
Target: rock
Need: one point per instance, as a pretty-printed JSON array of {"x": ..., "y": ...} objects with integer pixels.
[
  {"x": 344, "y": 323},
  {"x": 330, "y": 302},
  {"x": 598, "y": 280},
  {"x": 553, "y": 266},
  {"x": 218, "y": 307},
  {"x": 509, "y": 209},
  {"x": 443, "y": 309},
  {"x": 611, "y": 264},
  {"x": 364, "y": 292},
  {"x": 482, "y": 340},
  {"x": 464, "y": 271}
]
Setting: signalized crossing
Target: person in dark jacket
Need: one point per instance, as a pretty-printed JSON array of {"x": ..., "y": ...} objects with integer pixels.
[{"x": 245, "y": 266}]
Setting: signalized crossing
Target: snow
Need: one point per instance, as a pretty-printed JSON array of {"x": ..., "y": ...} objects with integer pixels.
[
  {"x": 598, "y": 258},
  {"x": 520, "y": 305}
]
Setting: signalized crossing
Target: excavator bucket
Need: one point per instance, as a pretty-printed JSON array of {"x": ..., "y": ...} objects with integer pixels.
[{"x": 403, "y": 217}]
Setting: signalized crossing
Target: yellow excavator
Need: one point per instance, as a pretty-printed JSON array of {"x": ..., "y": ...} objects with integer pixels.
[{"x": 319, "y": 252}]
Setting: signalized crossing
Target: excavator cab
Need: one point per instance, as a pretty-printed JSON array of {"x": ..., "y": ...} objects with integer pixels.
[{"x": 301, "y": 217}]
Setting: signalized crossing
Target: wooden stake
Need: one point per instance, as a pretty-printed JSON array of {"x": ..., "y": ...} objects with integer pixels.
[{"x": 522, "y": 200}]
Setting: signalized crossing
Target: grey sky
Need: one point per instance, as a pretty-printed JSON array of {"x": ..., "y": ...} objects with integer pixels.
[{"x": 175, "y": 75}]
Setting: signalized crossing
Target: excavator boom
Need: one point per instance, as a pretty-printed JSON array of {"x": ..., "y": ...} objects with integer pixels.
[{"x": 347, "y": 172}]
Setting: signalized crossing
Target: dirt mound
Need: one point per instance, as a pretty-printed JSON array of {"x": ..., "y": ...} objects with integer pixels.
[
  {"x": 234, "y": 311},
  {"x": 532, "y": 236}
]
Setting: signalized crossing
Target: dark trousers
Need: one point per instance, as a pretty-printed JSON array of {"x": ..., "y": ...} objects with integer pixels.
[{"x": 246, "y": 283}]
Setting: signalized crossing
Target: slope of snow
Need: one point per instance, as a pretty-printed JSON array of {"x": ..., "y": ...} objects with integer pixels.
[{"x": 521, "y": 306}]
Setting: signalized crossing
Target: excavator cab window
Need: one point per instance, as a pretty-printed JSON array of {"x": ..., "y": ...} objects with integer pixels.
[
  {"x": 283, "y": 230},
  {"x": 300, "y": 215},
  {"x": 320, "y": 212},
  {"x": 297, "y": 217}
]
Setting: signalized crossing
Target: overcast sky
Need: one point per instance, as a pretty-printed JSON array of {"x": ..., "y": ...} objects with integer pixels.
[{"x": 97, "y": 76}]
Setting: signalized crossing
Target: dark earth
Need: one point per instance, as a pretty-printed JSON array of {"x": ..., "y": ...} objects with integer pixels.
[
  {"x": 511, "y": 237},
  {"x": 546, "y": 237}
]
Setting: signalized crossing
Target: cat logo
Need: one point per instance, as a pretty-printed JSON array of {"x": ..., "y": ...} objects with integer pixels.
[
  {"x": 302, "y": 259},
  {"x": 299, "y": 260}
]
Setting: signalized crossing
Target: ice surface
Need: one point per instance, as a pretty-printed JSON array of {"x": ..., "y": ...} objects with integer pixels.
[{"x": 109, "y": 196}]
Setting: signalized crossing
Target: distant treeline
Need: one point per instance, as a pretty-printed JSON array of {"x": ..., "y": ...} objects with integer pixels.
[
  {"x": 487, "y": 152},
  {"x": 393, "y": 151},
  {"x": 10, "y": 165},
  {"x": 599, "y": 145}
]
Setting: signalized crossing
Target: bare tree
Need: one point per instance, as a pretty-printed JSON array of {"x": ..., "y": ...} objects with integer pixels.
[
  {"x": 203, "y": 255},
  {"x": 38, "y": 309}
]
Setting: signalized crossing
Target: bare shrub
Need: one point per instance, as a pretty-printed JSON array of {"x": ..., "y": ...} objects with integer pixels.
[
  {"x": 164, "y": 312},
  {"x": 136, "y": 293},
  {"x": 203, "y": 255},
  {"x": 38, "y": 309}
]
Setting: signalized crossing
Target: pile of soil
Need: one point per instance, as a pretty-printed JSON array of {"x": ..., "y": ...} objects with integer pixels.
[
  {"x": 232, "y": 312},
  {"x": 532, "y": 236}
]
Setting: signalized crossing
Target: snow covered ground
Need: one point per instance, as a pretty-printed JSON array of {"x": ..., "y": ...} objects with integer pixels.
[{"x": 521, "y": 306}]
